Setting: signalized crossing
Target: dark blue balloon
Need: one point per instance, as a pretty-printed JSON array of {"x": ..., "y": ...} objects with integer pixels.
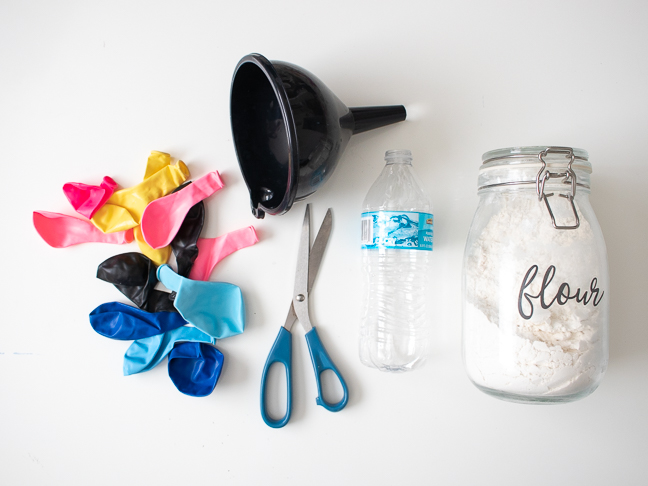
[
  {"x": 120, "y": 321},
  {"x": 194, "y": 368}
]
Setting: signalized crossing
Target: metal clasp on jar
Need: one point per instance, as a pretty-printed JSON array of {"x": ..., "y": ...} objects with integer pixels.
[{"x": 569, "y": 177}]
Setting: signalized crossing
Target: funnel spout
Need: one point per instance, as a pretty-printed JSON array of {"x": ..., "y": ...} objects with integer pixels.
[{"x": 370, "y": 117}]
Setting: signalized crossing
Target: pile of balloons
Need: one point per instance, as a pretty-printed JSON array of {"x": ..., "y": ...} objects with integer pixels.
[{"x": 164, "y": 214}]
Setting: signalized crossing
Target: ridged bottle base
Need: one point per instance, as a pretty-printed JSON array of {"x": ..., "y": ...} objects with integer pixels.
[{"x": 415, "y": 365}]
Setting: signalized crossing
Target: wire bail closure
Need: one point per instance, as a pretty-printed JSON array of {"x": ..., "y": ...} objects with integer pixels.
[{"x": 569, "y": 177}]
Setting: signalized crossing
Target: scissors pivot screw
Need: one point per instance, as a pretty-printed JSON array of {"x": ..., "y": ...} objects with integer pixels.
[{"x": 300, "y": 297}]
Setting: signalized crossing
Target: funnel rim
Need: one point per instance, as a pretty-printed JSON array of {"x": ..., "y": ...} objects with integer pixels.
[{"x": 270, "y": 73}]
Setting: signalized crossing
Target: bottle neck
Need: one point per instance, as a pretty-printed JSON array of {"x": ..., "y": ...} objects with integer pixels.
[
  {"x": 399, "y": 162},
  {"x": 400, "y": 157}
]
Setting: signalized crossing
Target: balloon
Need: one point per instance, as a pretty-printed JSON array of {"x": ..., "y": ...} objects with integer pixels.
[
  {"x": 213, "y": 250},
  {"x": 159, "y": 301},
  {"x": 145, "y": 354},
  {"x": 184, "y": 244},
  {"x": 194, "y": 368},
  {"x": 120, "y": 321},
  {"x": 85, "y": 199},
  {"x": 111, "y": 218},
  {"x": 61, "y": 231},
  {"x": 135, "y": 199},
  {"x": 132, "y": 273},
  {"x": 214, "y": 307},
  {"x": 156, "y": 162},
  {"x": 163, "y": 217}
]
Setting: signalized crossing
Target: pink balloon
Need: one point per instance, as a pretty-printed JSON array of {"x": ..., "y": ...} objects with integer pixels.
[
  {"x": 163, "y": 217},
  {"x": 213, "y": 250},
  {"x": 85, "y": 199},
  {"x": 61, "y": 231}
]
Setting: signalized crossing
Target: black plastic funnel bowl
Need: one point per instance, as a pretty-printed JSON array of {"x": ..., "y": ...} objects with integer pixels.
[{"x": 290, "y": 130}]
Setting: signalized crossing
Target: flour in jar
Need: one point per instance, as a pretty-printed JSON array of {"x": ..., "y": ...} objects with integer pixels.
[{"x": 531, "y": 314}]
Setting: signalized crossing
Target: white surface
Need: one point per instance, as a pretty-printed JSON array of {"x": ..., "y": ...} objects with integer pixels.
[{"x": 88, "y": 89}]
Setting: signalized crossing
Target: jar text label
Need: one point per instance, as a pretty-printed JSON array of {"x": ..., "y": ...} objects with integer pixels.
[{"x": 563, "y": 295}]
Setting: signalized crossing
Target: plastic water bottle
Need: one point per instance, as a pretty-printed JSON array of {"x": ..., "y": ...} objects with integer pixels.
[{"x": 397, "y": 230}]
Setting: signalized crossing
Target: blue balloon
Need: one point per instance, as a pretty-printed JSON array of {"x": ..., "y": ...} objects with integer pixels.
[
  {"x": 120, "y": 321},
  {"x": 215, "y": 307},
  {"x": 194, "y": 368},
  {"x": 145, "y": 354}
]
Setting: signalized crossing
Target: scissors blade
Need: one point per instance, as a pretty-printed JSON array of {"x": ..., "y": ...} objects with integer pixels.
[
  {"x": 317, "y": 251},
  {"x": 303, "y": 254},
  {"x": 314, "y": 261},
  {"x": 291, "y": 318},
  {"x": 300, "y": 294}
]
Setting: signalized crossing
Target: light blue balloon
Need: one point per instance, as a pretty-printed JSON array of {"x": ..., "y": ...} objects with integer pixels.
[
  {"x": 145, "y": 354},
  {"x": 215, "y": 307}
]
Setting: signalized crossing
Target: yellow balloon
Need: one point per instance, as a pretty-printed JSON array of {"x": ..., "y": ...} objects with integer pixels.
[
  {"x": 125, "y": 207},
  {"x": 163, "y": 182},
  {"x": 110, "y": 218},
  {"x": 156, "y": 162}
]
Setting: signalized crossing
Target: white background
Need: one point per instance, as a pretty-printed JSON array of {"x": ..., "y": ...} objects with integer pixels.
[{"x": 88, "y": 89}]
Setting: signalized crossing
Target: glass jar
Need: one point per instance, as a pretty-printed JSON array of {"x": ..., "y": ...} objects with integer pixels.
[{"x": 535, "y": 279}]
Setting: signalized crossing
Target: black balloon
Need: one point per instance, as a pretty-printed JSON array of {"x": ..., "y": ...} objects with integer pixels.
[
  {"x": 160, "y": 301},
  {"x": 134, "y": 276},
  {"x": 184, "y": 244},
  {"x": 132, "y": 273}
]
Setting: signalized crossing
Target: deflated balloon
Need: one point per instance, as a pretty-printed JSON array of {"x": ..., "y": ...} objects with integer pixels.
[
  {"x": 61, "y": 231},
  {"x": 156, "y": 162},
  {"x": 159, "y": 301},
  {"x": 135, "y": 199},
  {"x": 120, "y": 321},
  {"x": 132, "y": 273},
  {"x": 86, "y": 199},
  {"x": 145, "y": 354},
  {"x": 184, "y": 244},
  {"x": 214, "y": 307},
  {"x": 213, "y": 250},
  {"x": 194, "y": 368},
  {"x": 163, "y": 217},
  {"x": 111, "y": 218}
]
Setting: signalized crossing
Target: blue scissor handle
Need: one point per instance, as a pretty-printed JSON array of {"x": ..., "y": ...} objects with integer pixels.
[
  {"x": 281, "y": 352},
  {"x": 322, "y": 362}
]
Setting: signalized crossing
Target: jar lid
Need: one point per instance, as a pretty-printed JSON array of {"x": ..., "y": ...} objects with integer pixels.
[
  {"x": 539, "y": 166},
  {"x": 526, "y": 152}
]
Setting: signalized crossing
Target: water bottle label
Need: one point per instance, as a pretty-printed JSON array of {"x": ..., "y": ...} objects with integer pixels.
[{"x": 397, "y": 229}]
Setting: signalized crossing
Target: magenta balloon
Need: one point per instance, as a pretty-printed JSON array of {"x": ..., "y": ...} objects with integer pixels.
[{"x": 85, "y": 199}]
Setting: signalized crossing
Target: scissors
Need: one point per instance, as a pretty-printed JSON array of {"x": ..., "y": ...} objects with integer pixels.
[{"x": 308, "y": 263}]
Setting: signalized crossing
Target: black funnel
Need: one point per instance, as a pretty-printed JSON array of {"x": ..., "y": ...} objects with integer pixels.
[{"x": 290, "y": 130}]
